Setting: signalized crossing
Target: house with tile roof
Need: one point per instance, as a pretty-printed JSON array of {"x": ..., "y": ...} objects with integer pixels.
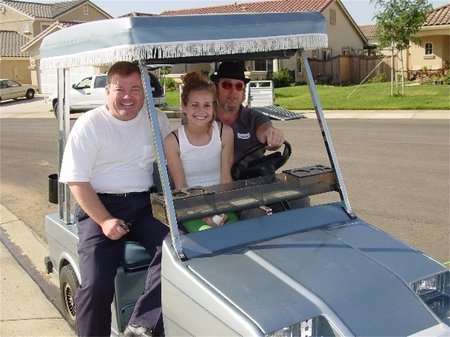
[
  {"x": 24, "y": 21},
  {"x": 47, "y": 77},
  {"x": 432, "y": 53},
  {"x": 13, "y": 61},
  {"x": 344, "y": 36},
  {"x": 369, "y": 32}
]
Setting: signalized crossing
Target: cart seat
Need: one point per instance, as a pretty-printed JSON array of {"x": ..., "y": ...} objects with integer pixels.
[{"x": 135, "y": 256}]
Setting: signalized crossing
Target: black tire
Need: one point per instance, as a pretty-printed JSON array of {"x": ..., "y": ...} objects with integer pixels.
[
  {"x": 68, "y": 286},
  {"x": 29, "y": 94}
]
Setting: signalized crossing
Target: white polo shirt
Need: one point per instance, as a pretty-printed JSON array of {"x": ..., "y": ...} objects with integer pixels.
[{"x": 114, "y": 156}]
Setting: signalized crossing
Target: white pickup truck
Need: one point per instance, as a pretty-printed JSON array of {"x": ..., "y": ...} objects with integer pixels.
[{"x": 90, "y": 93}]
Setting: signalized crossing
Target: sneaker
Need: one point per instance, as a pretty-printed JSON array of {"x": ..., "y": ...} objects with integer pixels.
[{"x": 137, "y": 331}]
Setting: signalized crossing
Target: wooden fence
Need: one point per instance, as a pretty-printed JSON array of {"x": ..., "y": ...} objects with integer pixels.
[{"x": 349, "y": 69}]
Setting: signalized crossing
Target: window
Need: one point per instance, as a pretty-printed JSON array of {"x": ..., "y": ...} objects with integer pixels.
[
  {"x": 11, "y": 84},
  {"x": 264, "y": 65},
  {"x": 428, "y": 48},
  {"x": 100, "y": 82},
  {"x": 332, "y": 17},
  {"x": 86, "y": 10},
  {"x": 26, "y": 28}
]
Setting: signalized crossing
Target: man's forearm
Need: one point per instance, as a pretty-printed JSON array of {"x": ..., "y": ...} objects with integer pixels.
[{"x": 88, "y": 200}]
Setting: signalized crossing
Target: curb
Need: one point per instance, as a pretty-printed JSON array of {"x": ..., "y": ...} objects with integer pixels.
[{"x": 23, "y": 274}]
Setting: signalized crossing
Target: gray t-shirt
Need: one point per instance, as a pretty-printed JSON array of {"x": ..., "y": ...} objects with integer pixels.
[{"x": 244, "y": 128}]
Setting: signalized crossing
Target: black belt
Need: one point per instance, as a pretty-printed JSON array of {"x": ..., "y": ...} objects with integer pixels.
[{"x": 129, "y": 194}]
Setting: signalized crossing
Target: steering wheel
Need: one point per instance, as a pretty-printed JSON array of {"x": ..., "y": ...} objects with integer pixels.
[{"x": 244, "y": 168}]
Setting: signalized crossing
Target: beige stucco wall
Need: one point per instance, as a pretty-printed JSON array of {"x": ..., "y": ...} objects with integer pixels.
[
  {"x": 15, "y": 69},
  {"x": 11, "y": 19},
  {"x": 343, "y": 34},
  {"x": 441, "y": 49},
  {"x": 16, "y": 21},
  {"x": 77, "y": 14}
]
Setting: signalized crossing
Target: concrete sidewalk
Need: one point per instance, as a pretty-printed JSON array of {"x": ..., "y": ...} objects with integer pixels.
[
  {"x": 383, "y": 114},
  {"x": 25, "y": 310}
]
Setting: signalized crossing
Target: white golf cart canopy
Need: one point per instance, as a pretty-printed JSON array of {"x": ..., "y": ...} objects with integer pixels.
[{"x": 183, "y": 39}]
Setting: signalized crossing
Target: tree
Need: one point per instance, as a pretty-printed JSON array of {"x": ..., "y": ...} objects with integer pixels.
[{"x": 398, "y": 22}]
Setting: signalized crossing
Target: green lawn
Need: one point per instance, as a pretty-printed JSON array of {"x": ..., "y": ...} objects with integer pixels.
[{"x": 365, "y": 97}]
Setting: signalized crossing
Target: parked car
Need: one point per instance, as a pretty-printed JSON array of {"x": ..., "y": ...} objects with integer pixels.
[
  {"x": 90, "y": 93},
  {"x": 10, "y": 89}
]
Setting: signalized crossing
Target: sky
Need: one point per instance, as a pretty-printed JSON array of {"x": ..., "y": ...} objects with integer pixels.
[{"x": 362, "y": 11}]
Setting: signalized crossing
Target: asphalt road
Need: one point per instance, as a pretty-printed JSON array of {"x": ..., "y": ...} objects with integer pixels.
[{"x": 396, "y": 172}]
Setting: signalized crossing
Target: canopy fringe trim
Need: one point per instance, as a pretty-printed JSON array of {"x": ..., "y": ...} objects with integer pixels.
[{"x": 181, "y": 50}]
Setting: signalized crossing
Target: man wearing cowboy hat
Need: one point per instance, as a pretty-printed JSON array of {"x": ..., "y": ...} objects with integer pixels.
[{"x": 249, "y": 126}]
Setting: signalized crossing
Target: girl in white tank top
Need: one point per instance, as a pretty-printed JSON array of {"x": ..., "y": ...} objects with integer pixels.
[{"x": 200, "y": 153}]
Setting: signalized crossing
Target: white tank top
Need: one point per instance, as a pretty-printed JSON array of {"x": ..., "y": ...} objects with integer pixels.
[{"x": 201, "y": 164}]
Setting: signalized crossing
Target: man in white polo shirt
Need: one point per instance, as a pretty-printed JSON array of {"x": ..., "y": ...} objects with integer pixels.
[{"x": 108, "y": 165}]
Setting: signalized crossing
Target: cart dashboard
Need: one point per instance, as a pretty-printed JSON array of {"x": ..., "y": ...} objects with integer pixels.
[{"x": 198, "y": 202}]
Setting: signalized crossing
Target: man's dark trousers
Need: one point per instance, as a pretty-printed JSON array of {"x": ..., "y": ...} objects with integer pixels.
[{"x": 99, "y": 258}]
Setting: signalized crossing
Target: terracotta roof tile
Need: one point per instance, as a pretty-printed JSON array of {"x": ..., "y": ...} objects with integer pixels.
[
  {"x": 11, "y": 43},
  {"x": 43, "y": 10},
  {"x": 369, "y": 31},
  {"x": 259, "y": 7},
  {"x": 439, "y": 16}
]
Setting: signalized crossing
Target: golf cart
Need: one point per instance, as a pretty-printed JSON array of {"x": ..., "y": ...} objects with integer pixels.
[{"x": 312, "y": 271}]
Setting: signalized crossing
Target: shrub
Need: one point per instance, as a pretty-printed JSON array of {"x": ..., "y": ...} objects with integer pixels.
[
  {"x": 169, "y": 83},
  {"x": 282, "y": 78},
  {"x": 378, "y": 78}
]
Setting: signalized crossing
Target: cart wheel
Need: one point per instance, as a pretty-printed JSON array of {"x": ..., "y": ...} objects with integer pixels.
[{"x": 68, "y": 285}]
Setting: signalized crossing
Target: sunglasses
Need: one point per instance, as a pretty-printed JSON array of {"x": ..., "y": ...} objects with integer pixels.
[{"x": 239, "y": 86}]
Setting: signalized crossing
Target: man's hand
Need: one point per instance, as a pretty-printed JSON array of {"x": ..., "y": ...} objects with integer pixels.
[
  {"x": 274, "y": 138},
  {"x": 88, "y": 199},
  {"x": 114, "y": 229}
]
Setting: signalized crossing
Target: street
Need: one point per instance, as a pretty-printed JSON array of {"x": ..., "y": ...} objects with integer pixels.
[{"x": 396, "y": 171}]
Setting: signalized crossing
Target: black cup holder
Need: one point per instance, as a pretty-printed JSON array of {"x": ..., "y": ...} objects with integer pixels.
[
  {"x": 196, "y": 190},
  {"x": 53, "y": 188},
  {"x": 179, "y": 194}
]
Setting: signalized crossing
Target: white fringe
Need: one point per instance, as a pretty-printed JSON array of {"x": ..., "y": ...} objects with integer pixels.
[{"x": 182, "y": 49}]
